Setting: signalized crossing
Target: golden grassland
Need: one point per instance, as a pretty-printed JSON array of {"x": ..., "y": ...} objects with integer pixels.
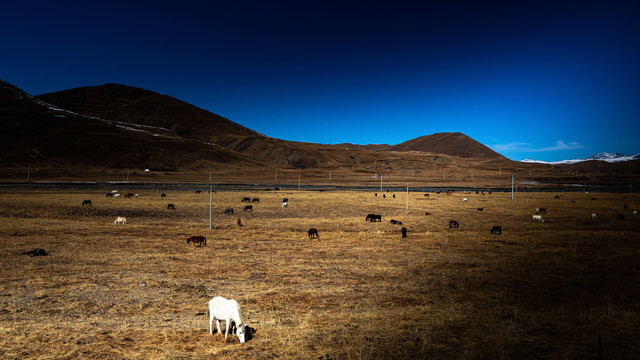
[{"x": 360, "y": 291}]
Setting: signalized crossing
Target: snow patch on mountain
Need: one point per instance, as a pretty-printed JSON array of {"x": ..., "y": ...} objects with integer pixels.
[{"x": 604, "y": 156}]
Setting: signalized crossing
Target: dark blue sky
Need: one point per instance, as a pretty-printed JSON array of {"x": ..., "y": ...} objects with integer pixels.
[{"x": 546, "y": 80}]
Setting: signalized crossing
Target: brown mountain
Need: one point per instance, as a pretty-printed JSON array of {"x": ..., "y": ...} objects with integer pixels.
[
  {"x": 134, "y": 106},
  {"x": 456, "y": 144},
  {"x": 131, "y": 105},
  {"x": 138, "y": 106},
  {"x": 37, "y": 132}
]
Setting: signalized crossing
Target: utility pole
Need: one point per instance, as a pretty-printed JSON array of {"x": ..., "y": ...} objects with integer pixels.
[
  {"x": 512, "y": 181},
  {"x": 380, "y": 182},
  {"x": 407, "y": 212},
  {"x": 210, "y": 202},
  {"x": 298, "y": 181}
]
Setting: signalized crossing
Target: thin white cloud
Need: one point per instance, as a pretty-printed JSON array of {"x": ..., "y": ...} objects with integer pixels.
[
  {"x": 511, "y": 147},
  {"x": 560, "y": 145},
  {"x": 515, "y": 147}
]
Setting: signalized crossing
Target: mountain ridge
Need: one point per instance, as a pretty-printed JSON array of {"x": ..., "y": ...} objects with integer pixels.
[{"x": 114, "y": 126}]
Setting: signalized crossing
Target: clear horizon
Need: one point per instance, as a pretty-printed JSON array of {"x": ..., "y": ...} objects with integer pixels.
[{"x": 543, "y": 80}]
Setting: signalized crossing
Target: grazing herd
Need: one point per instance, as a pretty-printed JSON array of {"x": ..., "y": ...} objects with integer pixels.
[
  {"x": 221, "y": 309},
  {"x": 313, "y": 233}
]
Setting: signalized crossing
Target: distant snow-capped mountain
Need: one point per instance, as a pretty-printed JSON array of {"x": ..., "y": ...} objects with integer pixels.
[
  {"x": 604, "y": 156},
  {"x": 613, "y": 157}
]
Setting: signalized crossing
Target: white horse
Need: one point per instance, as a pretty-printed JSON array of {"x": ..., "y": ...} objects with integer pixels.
[
  {"x": 285, "y": 204},
  {"x": 120, "y": 220},
  {"x": 537, "y": 218},
  {"x": 222, "y": 309}
]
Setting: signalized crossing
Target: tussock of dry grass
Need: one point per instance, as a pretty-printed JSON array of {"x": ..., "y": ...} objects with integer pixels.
[{"x": 360, "y": 291}]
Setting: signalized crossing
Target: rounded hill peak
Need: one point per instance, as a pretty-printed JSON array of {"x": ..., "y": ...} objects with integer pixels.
[{"x": 450, "y": 143}]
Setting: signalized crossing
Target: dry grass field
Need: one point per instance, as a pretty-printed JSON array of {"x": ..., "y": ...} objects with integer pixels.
[{"x": 539, "y": 291}]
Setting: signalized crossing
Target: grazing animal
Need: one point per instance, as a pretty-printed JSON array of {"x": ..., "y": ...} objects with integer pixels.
[
  {"x": 248, "y": 208},
  {"x": 285, "y": 204},
  {"x": 114, "y": 192},
  {"x": 464, "y": 200},
  {"x": 396, "y": 222},
  {"x": 541, "y": 211},
  {"x": 86, "y": 202},
  {"x": 222, "y": 309},
  {"x": 285, "y": 200},
  {"x": 313, "y": 233},
  {"x": 120, "y": 220},
  {"x": 110, "y": 195},
  {"x": 427, "y": 195},
  {"x": 404, "y": 232},
  {"x": 128, "y": 195},
  {"x": 228, "y": 211},
  {"x": 163, "y": 195},
  {"x": 556, "y": 197},
  {"x": 246, "y": 199},
  {"x": 198, "y": 191},
  {"x": 255, "y": 200},
  {"x": 373, "y": 218},
  {"x": 427, "y": 213},
  {"x": 198, "y": 240},
  {"x": 480, "y": 209},
  {"x": 394, "y": 196},
  {"x": 116, "y": 195},
  {"x": 240, "y": 222},
  {"x": 634, "y": 213},
  {"x": 35, "y": 252},
  {"x": 384, "y": 196},
  {"x": 453, "y": 224},
  {"x": 171, "y": 207},
  {"x": 625, "y": 206},
  {"x": 620, "y": 217},
  {"x": 594, "y": 216},
  {"x": 496, "y": 230},
  {"x": 537, "y": 218}
]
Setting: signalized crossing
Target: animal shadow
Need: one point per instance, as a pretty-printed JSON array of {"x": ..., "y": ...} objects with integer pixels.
[
  {"x": 36, "y": 252},
  {"x": 248, "y": 331}
]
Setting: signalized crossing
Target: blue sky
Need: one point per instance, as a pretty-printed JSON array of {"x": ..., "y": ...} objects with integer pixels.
[{"x": 544, "y": 80}]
